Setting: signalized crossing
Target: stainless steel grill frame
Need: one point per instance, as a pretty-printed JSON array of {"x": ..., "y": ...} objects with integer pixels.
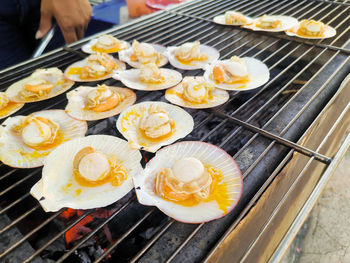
[{"x": 270, "y": 135}]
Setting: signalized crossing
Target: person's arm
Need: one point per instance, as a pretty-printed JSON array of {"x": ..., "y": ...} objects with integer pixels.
[{"x": 72, "y": 16}]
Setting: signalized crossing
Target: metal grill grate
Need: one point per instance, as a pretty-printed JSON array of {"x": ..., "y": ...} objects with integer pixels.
[{"x": 258, "y": 128}]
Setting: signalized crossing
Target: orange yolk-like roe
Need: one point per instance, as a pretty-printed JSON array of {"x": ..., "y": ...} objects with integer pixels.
[
  {"x": 218, "y": 192},
  {"x": 219, "y": 77},
  {"x": 189, "y": 61},
  {"x": 114, "y": 49},
  {"x": 108, "y": 104}
]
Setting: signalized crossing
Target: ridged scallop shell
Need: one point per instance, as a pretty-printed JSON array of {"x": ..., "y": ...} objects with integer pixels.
[
  {"x": 128, "y": 120},
  {"x": 82, "y": 63},
  {"x": 222, "y": 21},
  {"x": 124, "y": 55},
  {"x": 77, "y": 100},
  {"x": 287, "y": 22},
  {"x": 207, "y": 154},
  {"x": 213, "y": 54},
  {"x": 14, "y": 152},
  {"x": 329, "y": 32},
  {"x": 258, "y": 71},
  {"x": 87, "y": 47},
  {"x": 11, "y": 108},
  {"x": 131, "y": 79},
  {"x": 13, "y": 91},
  {"x": 174, "y": 95},
  {"x": 58, "y": 188}
]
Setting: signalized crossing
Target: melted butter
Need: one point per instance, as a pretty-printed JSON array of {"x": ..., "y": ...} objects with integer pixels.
[
  {"x": 219, "y": 193},
  {"x": 66, "y": 188},
  {"x": 114, "y": 49},
  {"x": 115, "y": 179},
  {"x": 145, "y": 140},
  {"x": 190, "y": 62},
  {"x": 9, "y": 107},
  {"x": 59, "y": 139},
  {"x": 130, "y": 114},
  {"x": 78, "y": 192},
  {"x": 78, "y": 71},
  {"x": 33, "y": 155}
]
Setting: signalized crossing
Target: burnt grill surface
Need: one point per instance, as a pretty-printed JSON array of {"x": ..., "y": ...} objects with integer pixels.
[{"x": 258, "y": 128}]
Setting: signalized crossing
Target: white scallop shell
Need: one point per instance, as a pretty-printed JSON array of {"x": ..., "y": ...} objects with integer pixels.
[
  {"x": 82, "y": 63},
  {"x": 87, "y": 47},
  {"x": 125, "y": 54},
  {"x": 287, "y": 22},
  {"x": 52, "y": 191},
  {"x": 77, "y": 100},
  {"x": 329, "y": 32},
  {"x": 14, "y": 152},
  {"x": 207, "y": 154},
  {"x": 127, "y": 125},
  {"x": 222, "y": 21},
  {"x": 258, "y": 71},
  {"x": 12, "y": 92},
  {"x": 218, "y": 97},
  {"x": 213, "y": 54},
  {"x": 131, "y": 79}
]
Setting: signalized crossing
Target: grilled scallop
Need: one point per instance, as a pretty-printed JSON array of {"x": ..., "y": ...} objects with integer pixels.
[
  {"x": 90, "y": 103},
  {"x": 42, "y": 84},
  {"x": 192, "y": 182},
  {"x": 92, "y": 172},
  {"x": 97, "y": 66},
  {"x": 237, "y": 73},
  {"x": 311, "y": 29},
  {"x": 272, "y": 23},
  {"x": 191, "y": 55},
  {"x": 105, "y": 44},
  {"x": 196, "y": 93},
  {"x": 26, "y": 140},
  {"x": 144, "y": 53},
  {"x": 232, "y": 18},
  {"x": 150, "y": 125}
]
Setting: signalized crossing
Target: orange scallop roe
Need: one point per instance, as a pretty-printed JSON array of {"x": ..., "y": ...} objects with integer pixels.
[
  {"x": 218, "y": 74},
  {"x": 38, "y": 88},
  {"x": 108, "y": 104},
  {"x": 116, "y": 48}
]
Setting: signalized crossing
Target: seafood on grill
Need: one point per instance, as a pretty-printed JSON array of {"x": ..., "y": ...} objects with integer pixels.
[
  {"x": 105, "y": 44},
  {"x": 94, "y": 171},
  {"x": 95, "y": 103},
  {"x": 232, "y": 18},
  {"x": 149, "y": 77},
  {"x": 272, "y": 23},
  {"x": 237, "y": 73},
  {"x": 144, "y": 53},
  {"x": 97, "y": 66},
  {"x": 196, "y": 93},
  {"x": 42, "y": 84},
  {"x": 311, "y": 29},
  {"x": 191, "y": 55},
  {"x": 190, "y": 181},
  {"x": 8, "y": 107},
  {"x": 151, "y": 125},
  {"x": 25, "y": 141}
]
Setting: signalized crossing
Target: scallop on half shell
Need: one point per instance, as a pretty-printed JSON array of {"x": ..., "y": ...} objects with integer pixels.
[
  {"x": 73, "y": 71},
  {"x": 90, "y": 47},
  {"x": 178, "y": 123},
  {"x": 17, "y": 91},
  {"x": 214, "y": 98},
  {"x": 220, "y": 19},
  {"x": 61, "y": 187},
  {"x": 225, "y": 182},
  {"x": 258, "y": 72},
  {"x": 124, "y": 55},
  {"x": 328, "y": 33},
  {"x": 78, "y": 101},
  {"x": 212, "y": 53},
  {"x": 16, "y": 153},
  {"x": 131, "y": 79},
  {"x": 8, "y": 107},
  {"x": 286, "y": 23}
]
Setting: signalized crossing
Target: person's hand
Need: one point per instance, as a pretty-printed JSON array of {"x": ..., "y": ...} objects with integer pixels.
[{"x": 72, "y": 16}]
